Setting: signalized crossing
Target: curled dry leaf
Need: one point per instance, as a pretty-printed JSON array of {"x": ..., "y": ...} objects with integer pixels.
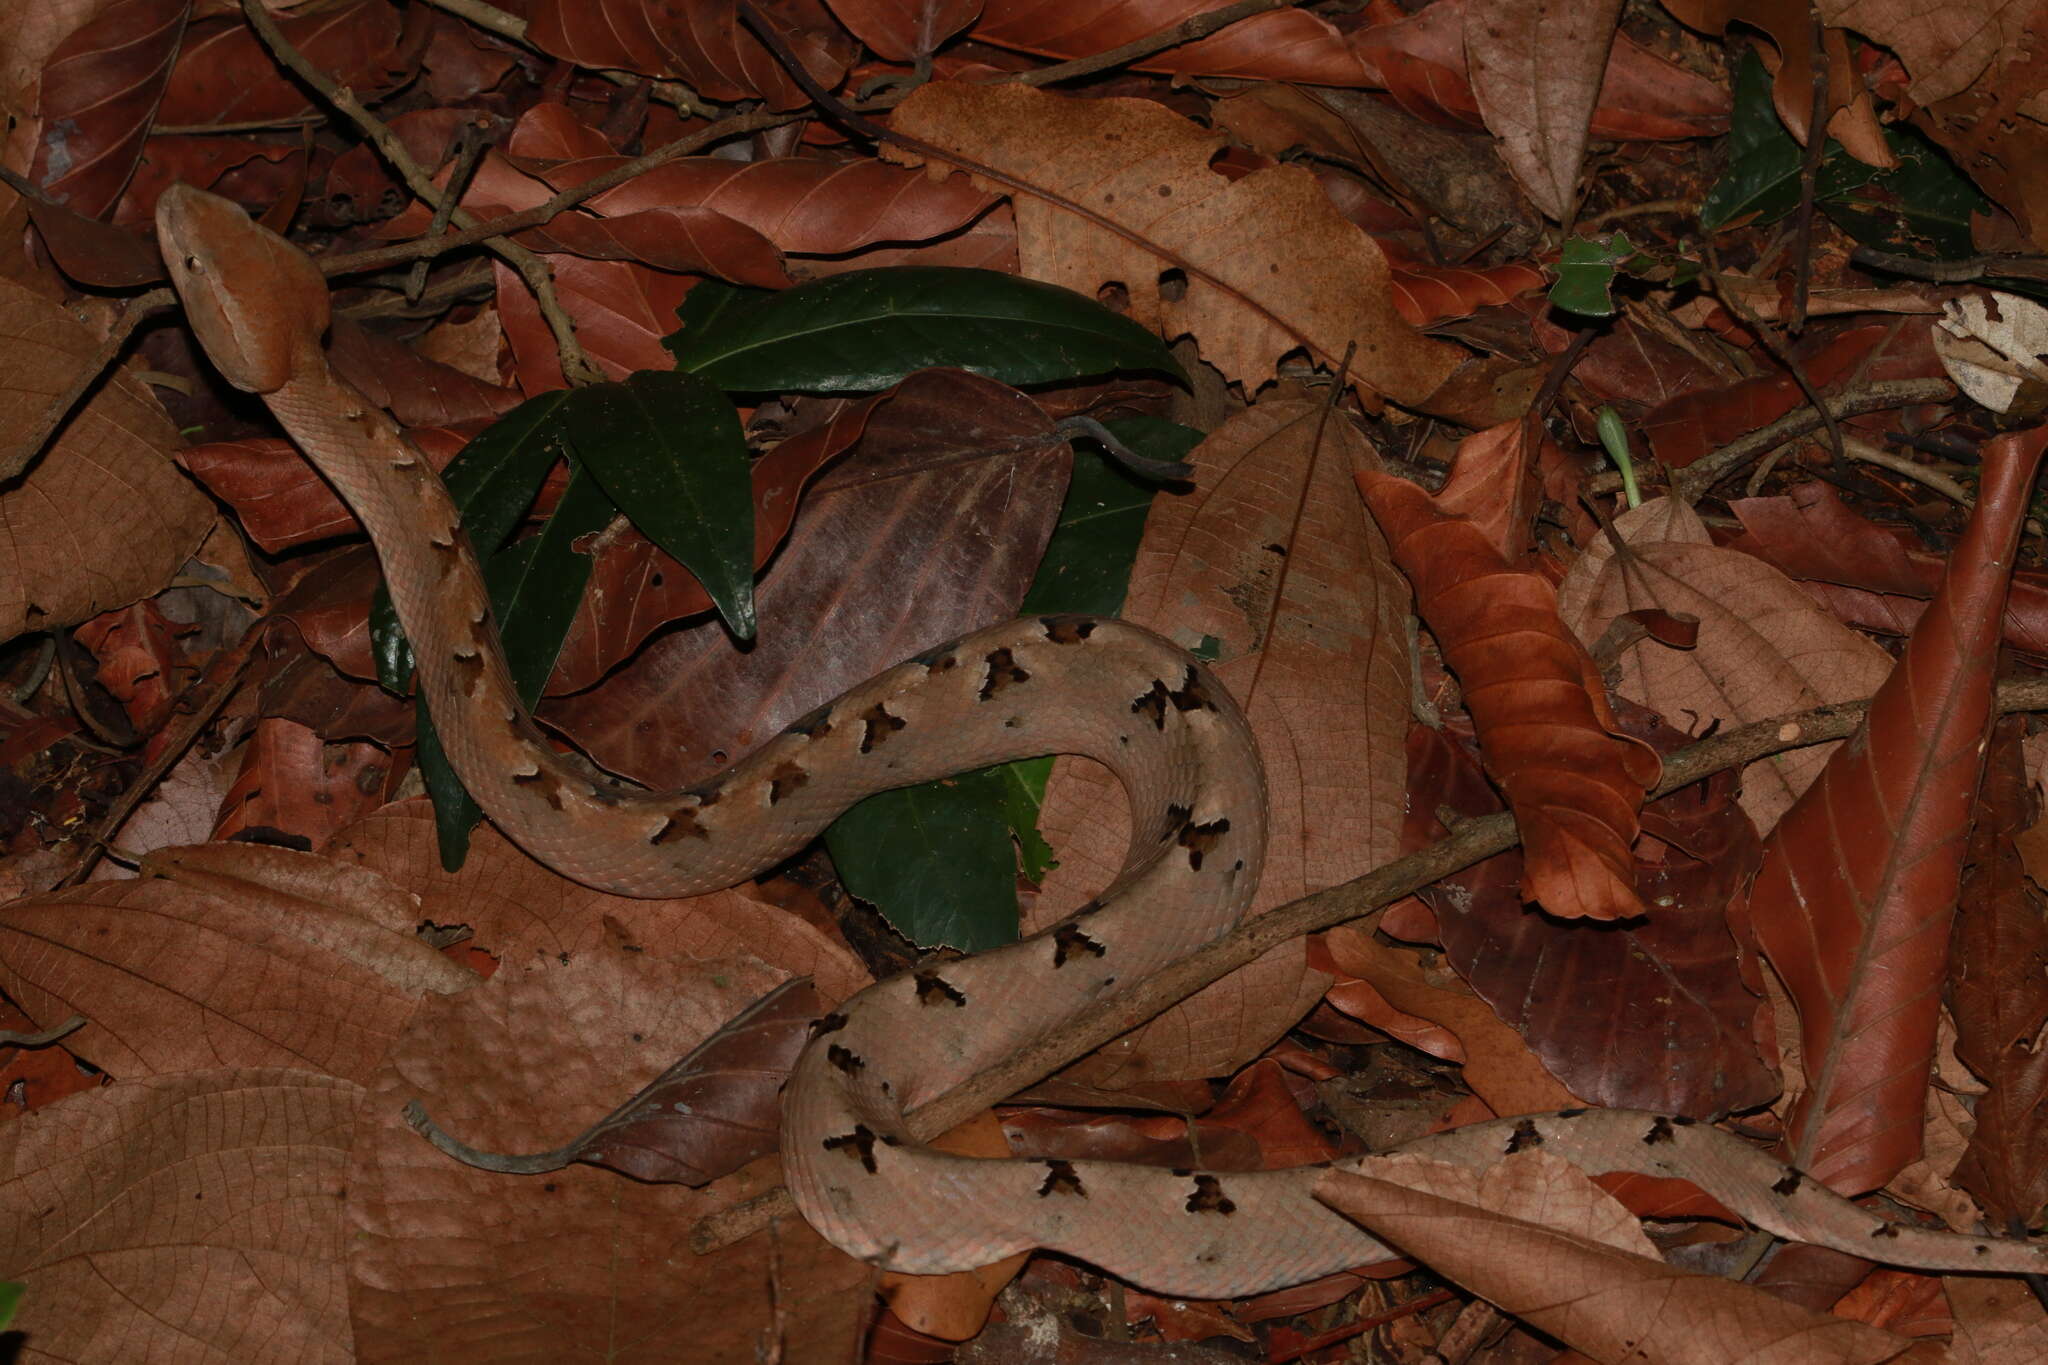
[
  {"x": 1762, "y": 647},
  {"x": 187, "y": 1217},
  {"x": 1120, "y": 191},
  {"x": 1271, "y": 569},
  {"x": 1540, "y": 1241},
  {"x": 1858, "y": 887},
  {"x": 1539, "y": 708}
]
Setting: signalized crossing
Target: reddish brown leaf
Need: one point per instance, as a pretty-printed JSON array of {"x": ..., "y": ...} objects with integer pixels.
[
  {"x": 906, "y": 30},
  {"x": 1490, "y": 486},
  {"x": 1998, "y": 991},
  {"x": 139, "y": 661},
  {"x": 1858, "y": 887},
  {"x": 103, "y": 494},
  {"x": 716, "y": 1109},
  {"x": 1123, "y": 190},
  {"x": 100, "y": 90},
  {"x": 929, "y": 527},
  {"x": 621, "y": 310},
  {"x": 577, "y": 1262},
  {"x": 1538, "y": 706},
  {"x": 249, "y": 956},
  {"x": 1426, "y": 294},
  {"x": 255, "y": 174},
  {"x": 292, "y": 783},
  {"x": 1284, "y": 45},
  {"x": 225, "y": 74},
  {"x": 699, "y": 41},
  {"x": 1810, "y": 534},
  {"x": 1653, "y": 1015},
  {"x": 1535, "y": 1237}
]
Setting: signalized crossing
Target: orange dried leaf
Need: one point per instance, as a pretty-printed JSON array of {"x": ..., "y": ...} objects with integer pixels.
[
  {"x": 1575, "y": 788},
  {"x": 1858, "y": 886}
]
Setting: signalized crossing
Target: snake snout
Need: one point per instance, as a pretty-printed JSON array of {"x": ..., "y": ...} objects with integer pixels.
[{"x": 251, "y": 297}]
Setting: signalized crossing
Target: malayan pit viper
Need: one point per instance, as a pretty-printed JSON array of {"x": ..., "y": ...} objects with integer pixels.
[{"x": 1080, "y": 685}]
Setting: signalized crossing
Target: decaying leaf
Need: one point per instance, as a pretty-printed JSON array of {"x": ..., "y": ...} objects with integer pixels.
[{"x": 1120, "y": 191}]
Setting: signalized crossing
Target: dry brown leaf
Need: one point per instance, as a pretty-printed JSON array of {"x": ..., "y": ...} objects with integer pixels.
[
  {"x": 189, "y": 1217},
  {"x": 1499, "y": 1066},
  {"x": 1536, "y": 70},
  {"x": 1763, "y": 649},
  {"x": 1120, "y": 191},
  {"x": 580, "y": 1261},
  {"x": 521, "y": 912},
  {"x": 1573, "y": 1282},
  {"x": 1998, "y": 1322},
  {"x": 1306, "y": 623},
  {"x": 247, "y": 965},
  {"x": 103, "y": 518}
]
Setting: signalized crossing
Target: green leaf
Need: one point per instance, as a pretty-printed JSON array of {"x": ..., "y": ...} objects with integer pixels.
[
  {"x": 1764, "y": 162},
  {"x": 1585, "y": 274},
  {"x": 669, "y": 450},
  {"x": 10, "y": 1301},
  {"x": 1087, "y": 563},
  {"x": 865, "y": 330},
  {"x": 958, "y": 886},
  {"x": 493, "y": 481},
  {"x": 536, "y": 586},
  {"x": 1920, "y": 208},
  {"x": 940, "y": 860}
]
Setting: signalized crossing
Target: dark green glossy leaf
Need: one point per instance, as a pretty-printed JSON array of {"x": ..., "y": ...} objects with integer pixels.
[
  {"x": 941, "y": 860},
  {"x": 493, "y": 481},
  {"x": 865, "y": 330},
  {"x": 958, "y": 885},
  {"x": 1921, "y": 208},
  {"x": 1764, "y": 162},
  {"x": 1585, "y": 274},
  {"x": 669, "y": 450},
  {"x": 536, "y": 586}
]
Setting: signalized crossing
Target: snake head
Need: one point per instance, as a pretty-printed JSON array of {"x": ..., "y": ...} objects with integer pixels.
[{"x": 254, "y": 300}]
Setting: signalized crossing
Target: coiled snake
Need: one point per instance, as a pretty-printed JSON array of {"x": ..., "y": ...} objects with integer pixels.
[{"x": 1050, "y": 685}]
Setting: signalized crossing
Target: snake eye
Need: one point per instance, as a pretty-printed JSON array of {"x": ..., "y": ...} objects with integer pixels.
[{"x": 192, "y": 263}]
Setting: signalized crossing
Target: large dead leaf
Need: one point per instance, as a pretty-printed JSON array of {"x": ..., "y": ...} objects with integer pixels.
[
  {"x": 99, "y": 93},
  {"x": 579, "y": 1261},
  {"x": 1998, "y": 991},
  {"x": 1651, "y": 1014},
  {"x": 1120, "y": 191},
  {"x": 189, "y": 1217},
  {"x": 1539, "y": 708},
  {"x": 521, "y": 912},
  {"x": 1763, "y": 648},
  {"x": 252, "y": 957},
  {"x": 1858, "y": 887},
  {"x": 1499, "y": 1066},
  {"x": 1536, "y": 71},
  {"x": 1275, "y": 573},
  {"x": 928, "y": 528},
  {"x": 1540, "y": 1241},
  {"x": 103, "y": 517}
]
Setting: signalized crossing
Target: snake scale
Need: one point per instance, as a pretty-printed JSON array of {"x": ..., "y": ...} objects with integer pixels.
[{"x": 1098, "y": 687}]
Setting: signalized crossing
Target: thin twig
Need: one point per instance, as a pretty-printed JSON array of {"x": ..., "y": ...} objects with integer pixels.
[
  {"x": 1771, "y": 341},
  {"x": 1809, "y": 180},
  {"x": 1357, "y": 899},
  {"x": 1692, "y": 482},
  {"x": 576, "y": 365}
]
